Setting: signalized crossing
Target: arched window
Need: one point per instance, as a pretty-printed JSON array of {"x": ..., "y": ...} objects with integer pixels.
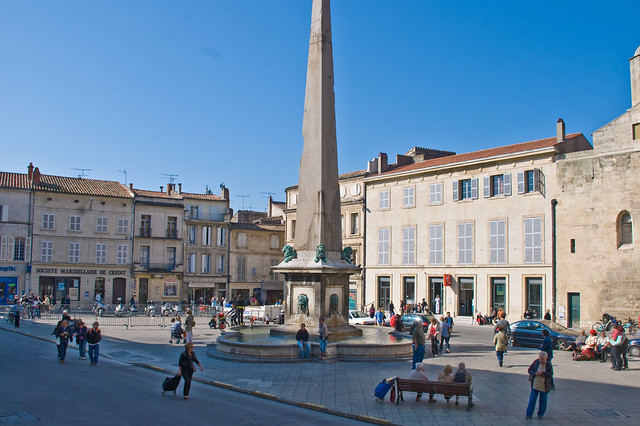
[{"x": 625, "y": 229}]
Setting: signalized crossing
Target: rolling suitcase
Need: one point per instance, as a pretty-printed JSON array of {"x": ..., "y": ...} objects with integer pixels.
[{"x": 171, "y": 384}]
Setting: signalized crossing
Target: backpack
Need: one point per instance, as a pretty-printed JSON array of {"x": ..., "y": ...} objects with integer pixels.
[
  {"x": 460, "y": 377},
  {"x": 383, "y": 388}
]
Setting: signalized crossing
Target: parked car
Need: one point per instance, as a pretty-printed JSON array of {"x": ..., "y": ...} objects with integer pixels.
[
  {"x": 634, "y": 347},
  {"x": 409, "y": 319},
  {"x": 360, "y": 318},
  {"x": 529, "y": 333}
]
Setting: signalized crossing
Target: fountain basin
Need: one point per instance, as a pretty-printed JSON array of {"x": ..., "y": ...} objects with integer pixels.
[{"x": 258, "y": 344}]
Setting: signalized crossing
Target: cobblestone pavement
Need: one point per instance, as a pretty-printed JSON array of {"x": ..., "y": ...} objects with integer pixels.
[{"x": 586, "y": 392}]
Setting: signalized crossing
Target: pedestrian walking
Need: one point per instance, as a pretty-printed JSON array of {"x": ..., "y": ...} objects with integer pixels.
[
  {"x": 380, "y": 317},
  {"x": 323, "y": 334},
  {"x": 419, "y": 340},
  {"x": 189, "y": 322},
  {"x": 616, "y": 341},
  {"x": 17, "y": 312},
  {"x": 372, "y": 311},
  {"x": 445, "y": 335},
  {"x": 187, "y": 364},
  {"x": 500, "y": 342},
  {"x": 302, "y": 337},
  {"x": 81, "y": 333},
  {"x": 62, "y": 339},
  {"x": 436, "y": 305},
  {"x": 94, "y": 336},
  {"x": 540, "y": 375},
  {"x": 434, "y": 333},
  {"x": 392, "y": 312}
]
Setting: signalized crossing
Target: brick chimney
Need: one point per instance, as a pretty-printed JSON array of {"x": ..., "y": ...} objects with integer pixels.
[
  {"x": 131, "y": 186},
  {"x": 382, "y": 162},
  {"x": 179, "y": 188},
  {"x": 30, "y": 172},
  {"x": 224, "y": 192},
  {"x": 162, "y": 189},
  {"x": 36, "y": 176}
]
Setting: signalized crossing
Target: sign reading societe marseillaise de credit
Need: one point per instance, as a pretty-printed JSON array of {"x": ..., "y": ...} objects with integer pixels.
[{"x": 81, "y": 271}]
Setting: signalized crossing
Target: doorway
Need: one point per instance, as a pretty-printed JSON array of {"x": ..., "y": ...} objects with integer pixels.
[
  {"x": 119, "y": 290},
  {"x": 143, "y": 290},
  {"x": 574, "y": 310},
  {"x": 465, "y": 298},
  {"x": 435, "y": 294}
]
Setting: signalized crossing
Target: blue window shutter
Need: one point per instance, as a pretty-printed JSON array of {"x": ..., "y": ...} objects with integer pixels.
[
  {"x": 520, "y": 182},
  {"x": 507, "y": 184},
  {"x": 474, "y": 188}
]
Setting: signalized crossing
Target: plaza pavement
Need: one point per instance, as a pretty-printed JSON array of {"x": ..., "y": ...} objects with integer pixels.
[{"x": 586, "y": 392}]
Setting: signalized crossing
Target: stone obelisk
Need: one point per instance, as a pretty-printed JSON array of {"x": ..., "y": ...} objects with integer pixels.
[{"x": 317, "y": 273}]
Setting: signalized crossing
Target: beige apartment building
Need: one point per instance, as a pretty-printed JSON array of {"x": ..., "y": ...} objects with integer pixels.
[
  {"x": 598, "y": 210},
  {"x": 81, "y": 238},
  {"x": 206, "y": 228},
  {"x": 465, "y": 232},
  {"x": 255, "y": 246},
  {"x": 15, "y": 236},
  {"x": 158, "y": 249},
  {"x": 352, "y": 205}
]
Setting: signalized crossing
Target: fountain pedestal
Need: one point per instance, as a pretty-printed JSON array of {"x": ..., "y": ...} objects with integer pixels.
[{"x": 317, "y": 288}]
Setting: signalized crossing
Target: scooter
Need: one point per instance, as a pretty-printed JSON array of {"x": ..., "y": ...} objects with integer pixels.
[
  {"x": 99, "y": 308},
  {"x": 133, "y": 309},
  {"x": 120, "y": 310},
  {"x": 169, "y": 309},
  {"x": 150, "y": 309}
]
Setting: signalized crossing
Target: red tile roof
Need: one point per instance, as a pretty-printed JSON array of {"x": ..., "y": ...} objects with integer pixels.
[
  {"x": 483, "y": 154},
  {"x": 156, "y": 194},
  {"x": 209, "y": 197},
  {"x": 14, "y": 180}
]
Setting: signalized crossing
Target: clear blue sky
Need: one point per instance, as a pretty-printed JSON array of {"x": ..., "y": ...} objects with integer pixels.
[{"x": 213, "y": 90}]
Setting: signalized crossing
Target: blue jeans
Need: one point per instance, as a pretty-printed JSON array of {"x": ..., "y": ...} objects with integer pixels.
[
  {"x": 304, "y": 349},
  {"x": 500, "y": 355},
  {"x": 323, "y": 346},
  {"x": 82, "y": 347},
  {"x": 94, "y": 352},
  {"x": 418, "y": 355},
  {"x": 542, "y": 406},
  {"x": 442, "y": 342},
  {"x": 62, "y": 350}
]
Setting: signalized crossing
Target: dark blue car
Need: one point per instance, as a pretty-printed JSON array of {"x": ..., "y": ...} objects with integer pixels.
[
  {"x": 529, "y": 333},
  {"x": 634, "y": 347}
]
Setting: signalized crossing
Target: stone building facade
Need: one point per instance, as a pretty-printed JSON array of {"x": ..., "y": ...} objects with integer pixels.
[
  {"x": 598, "y": 209},
  {"x": 255, "y": 246}
]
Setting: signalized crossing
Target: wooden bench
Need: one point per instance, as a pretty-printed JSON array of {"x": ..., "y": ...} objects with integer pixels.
[{"x": 447, "y": 389}]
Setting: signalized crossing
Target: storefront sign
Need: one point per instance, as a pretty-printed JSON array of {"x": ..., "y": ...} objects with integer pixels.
[
  {"x": 79, "y": 271},
  {"x": 8, "y": 269},
  {"x": 202, "y": 285}
]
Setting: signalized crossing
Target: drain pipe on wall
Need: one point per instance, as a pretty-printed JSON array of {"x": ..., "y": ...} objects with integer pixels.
[{"x": 554, "y": 203}]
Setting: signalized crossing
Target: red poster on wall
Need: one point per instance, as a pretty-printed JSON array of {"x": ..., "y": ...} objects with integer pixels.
[{"x": 447, "y": 280}]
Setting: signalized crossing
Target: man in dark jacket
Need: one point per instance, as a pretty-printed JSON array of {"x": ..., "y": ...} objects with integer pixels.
[{"x": 302, "y": 336}]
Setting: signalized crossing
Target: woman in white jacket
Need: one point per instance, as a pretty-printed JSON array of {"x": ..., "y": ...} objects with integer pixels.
[{"x": 433, "y": 333}]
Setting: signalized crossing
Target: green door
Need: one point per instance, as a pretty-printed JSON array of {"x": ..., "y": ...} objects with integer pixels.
[{"x": 574, "y": 310}]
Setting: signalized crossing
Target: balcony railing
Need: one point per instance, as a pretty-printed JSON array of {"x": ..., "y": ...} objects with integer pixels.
[
  {"x": 145, "y": 232},
  {"x": 157, "y": 267}
]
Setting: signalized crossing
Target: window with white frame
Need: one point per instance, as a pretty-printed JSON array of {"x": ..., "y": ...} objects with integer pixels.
[
  {"x": 465, "y": 189},
  {"x": 533, "y": 240},
  {"x": 435, "y": 193},
  {"x": 46, "y": 253},
  {"x": 384, "y": 199},
  {"x": 47, "y": 221},
  {"x": 383, "y": 246},
  {"x": 531, "y": 181},
  {"x": 191, "y": 263},
  {"x": 74, "y": 223},
  {"x": 123, "y": 225},
  {"x": 122, "y": 257},
  {"x": 409, "y": 245},
  {"x": 242, "y": 239},
  {"x": 19, "y": 248},
  {"x": 191, "y": 235},
  {"x": 206, "y": 263},
  {"x": 275, "y": 242},
  {"x": 220, "y": 264},
  {"x": 273, "y": 276},
  {"x": 221, "y": 237},
  {"x": 497, "y": 242},
  {"x": 101, "y": 253},
  {"x": 355, "y": 228},
  {"x": 465, "y": 243},
  {"x": 435, "y": 244},
  {"x": 74, "y": 252},
  {"x": 409, "y": 197},
  {"x": 497, "y": 185},
  {"x": 206, "y": 235},
  {"x": 145, "y": 252},
  {"x": 242, "y": 269},
  {"x": 101, "y": 224},
  {"x": 194, "y": 212}
]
